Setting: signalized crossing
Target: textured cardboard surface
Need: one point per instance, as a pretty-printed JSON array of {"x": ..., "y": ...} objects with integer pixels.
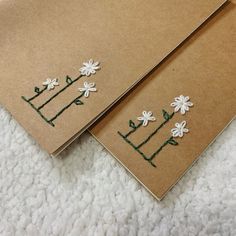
[
  {"x": 204, "y": 69},
  {"x": 48, "y": 38}
]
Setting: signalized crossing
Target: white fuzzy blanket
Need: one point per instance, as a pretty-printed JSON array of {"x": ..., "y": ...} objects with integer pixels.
[{"x": 86, "y": 192}]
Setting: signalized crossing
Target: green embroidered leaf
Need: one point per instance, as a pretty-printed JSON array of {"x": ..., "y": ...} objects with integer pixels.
[
  {"x": 132, "y": 124},
  {"x": 68, "y": 80},
  {"x": 166, "y": 115},
  {"x": 172, "y": 142},
  {"x": 37, "y": 90},
  {"x": 78, "y": 102}
]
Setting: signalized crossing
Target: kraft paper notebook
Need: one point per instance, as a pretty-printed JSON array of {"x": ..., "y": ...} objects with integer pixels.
[
  {"x": 63, "y": 63},
  {"x": 160, "y": 128}
]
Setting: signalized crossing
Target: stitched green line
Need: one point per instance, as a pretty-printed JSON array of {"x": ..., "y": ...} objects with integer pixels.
[
  {"x": 160, "y": 148},
  {"x": 171, "y": 140},
  {"x": 60, "y": 91},
  {"x": 66, "y": 107},
  {"x": 134, "y": 129},
  {"x": 32, "y": 105},
  {"x": 36, "y": 95},
  {"x": 155, "y": 131},
  {"x": 136, "y": 149}
]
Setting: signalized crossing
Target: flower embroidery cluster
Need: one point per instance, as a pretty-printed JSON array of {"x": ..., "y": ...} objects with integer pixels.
[
  {"x": 146, "y": 117},
  {"x": 89, "y": 68},
  {"x": 181, "y": 104},
  {"x": 88, "y": 87},
  {"x": 51, "y": 83},
  {"x": 180, "y": 129}
]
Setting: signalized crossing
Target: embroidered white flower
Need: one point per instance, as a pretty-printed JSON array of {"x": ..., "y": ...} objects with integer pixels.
[
  {"x": 147, "y": 116},
  {"x": 89, "y": 68},
  {"x": 181, "y": 103},
  {"x": 180, "y": 129},
  {"x": 88, "y": 87},
  {"x": 50, "y": 83}
]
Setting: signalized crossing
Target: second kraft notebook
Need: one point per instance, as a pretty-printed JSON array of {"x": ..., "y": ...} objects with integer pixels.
[
  {"x": 160, "y": 129},
  {"x": 63, "y": 63}
]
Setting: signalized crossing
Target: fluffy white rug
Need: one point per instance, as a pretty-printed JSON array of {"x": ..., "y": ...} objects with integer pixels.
[{"x": 86, "y": 192}]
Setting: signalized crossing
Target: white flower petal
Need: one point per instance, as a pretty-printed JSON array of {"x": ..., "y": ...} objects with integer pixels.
[
  {"x": 93, "y": 89},
  {"x": 50, "y": 87},
  {"x": 185, "y": 130},
  {"x": 173, "y": 104},
  {"x": 91, "y": 84},
  {"x": 81, "y": 89},
  {"x": 186, "y": 108},
  {"x": 175, "y": 132},
  {"x": 177, "y": 125},
  {"x": 152, "y": 118},
  {"x": 177, "y": 108},
  {"x": 190, "y": 104},
  {"x": 186, "y": 98},
  {"x": 86, "y": 94},
  {"x": 86, "y": 84},
  {"x": 144, "y": 113},
  {"x": 182, "y": 110},
  {"x": 145, "y": 122}
]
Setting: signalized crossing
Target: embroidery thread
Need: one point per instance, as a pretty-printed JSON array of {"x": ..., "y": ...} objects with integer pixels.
[
  {"x": 89, "y": 68},
  {"x": 51, "y": 83},
  {"x": 181, "y": 103},
  {"x": 146, "y": 117},
  {"x": 88, "y": 87},
  {"x": 179, "y": 129}
]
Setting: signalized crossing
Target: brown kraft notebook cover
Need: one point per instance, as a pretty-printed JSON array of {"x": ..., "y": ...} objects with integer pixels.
[
  {"x": 48, "y": 81},
  {"x": 159, "y": 130}
]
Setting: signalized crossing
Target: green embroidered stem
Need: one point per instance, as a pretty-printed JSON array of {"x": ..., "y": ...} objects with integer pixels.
[
  {"x": 36, "y": 95},
  {"x": 38, "y": 91},
  {"x": 136, "y": 148},
  {"x": 168, "y": 141},
  {"x": 134, "y": 127},
  {"x": 156, "y": 130},
  {"x": 67, "y": 106},
  {"x": 32, "y": 105},
  {"x": 69, "y": 83}
]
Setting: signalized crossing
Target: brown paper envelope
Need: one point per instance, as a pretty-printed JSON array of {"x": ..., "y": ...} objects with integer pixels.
[
  {"x": 43, "y": 39},
  {"x": 203, "y": 69}
]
